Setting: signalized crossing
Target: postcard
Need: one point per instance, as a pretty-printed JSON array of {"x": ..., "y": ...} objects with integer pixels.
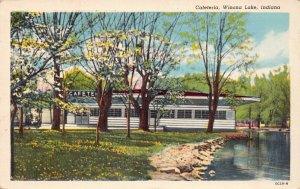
[{"x": 149, "y": 94}]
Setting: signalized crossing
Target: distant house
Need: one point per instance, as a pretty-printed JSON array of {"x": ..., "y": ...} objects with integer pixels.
[{"x": 191, "y": 114}]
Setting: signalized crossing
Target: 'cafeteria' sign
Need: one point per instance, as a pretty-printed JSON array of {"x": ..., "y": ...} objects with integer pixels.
[{"x": 82, "y": 93}]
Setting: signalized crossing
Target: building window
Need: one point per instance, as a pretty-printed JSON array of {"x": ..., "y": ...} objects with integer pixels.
[
  {"x": 94, "y": 112},
  {"x": 114, "y": 112},
  {"x": 221, "y": 115},
  {"x": 169, "y": 114},
  {"x": 184, "y": 114},
  {"x": 82, "y": 114},
  {"x": 201, "y": 114},
  {"x": 133, "y": 113},
  {"x": 204, "y": 114}
]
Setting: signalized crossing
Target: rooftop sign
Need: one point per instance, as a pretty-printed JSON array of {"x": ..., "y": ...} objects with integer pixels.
[{"x": 82, "y": 93}]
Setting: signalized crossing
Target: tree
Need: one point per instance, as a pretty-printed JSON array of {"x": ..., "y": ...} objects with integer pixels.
[
  {"x": 276, "y": 102},
  {"x": 61, "y": 32},
  {"x": 221, "y": 42},
  {"x": 273, "y": 89},
  {"x": 155, "y": 55},
  {"x": 173, "y": 94},
  {"x": 77, "y": 79},
  {"x": 194, "y": 82},
  {"x": 55, "y": 29},
  {"x": 231, "y": 89},
  {"x": 28, "y": 59},
  {"x": 103, "y": 56}
]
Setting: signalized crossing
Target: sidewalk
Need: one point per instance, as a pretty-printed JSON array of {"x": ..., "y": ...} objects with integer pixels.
[
  {"x": 67, "y": 126},
  {"x": 85, "y": 127}
]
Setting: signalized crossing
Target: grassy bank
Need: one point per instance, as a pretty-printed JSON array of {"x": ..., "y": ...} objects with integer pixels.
[{"x": 49, "y": 155}]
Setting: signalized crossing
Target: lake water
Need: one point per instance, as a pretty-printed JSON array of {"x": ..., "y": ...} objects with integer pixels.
[{"x": 267, "y": 157}]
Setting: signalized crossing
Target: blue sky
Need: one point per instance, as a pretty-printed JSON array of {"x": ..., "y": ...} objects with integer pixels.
[{"x": 269, "y": 32}]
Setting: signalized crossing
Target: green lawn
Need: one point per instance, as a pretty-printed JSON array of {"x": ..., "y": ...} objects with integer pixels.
[{"x": 49, "y": 155}]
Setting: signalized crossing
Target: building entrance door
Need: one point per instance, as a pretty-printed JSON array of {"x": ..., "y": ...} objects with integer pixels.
[{"x": 82, "y": 119}]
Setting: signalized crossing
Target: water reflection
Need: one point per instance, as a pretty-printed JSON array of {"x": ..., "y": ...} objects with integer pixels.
[{"x": 267, "y": 157}]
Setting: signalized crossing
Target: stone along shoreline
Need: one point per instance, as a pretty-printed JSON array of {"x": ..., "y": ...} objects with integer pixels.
[{"x": 186, "y": 161}]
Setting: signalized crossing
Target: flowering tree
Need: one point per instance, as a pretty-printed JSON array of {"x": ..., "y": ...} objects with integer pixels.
[
  {"x": 62, "y": 32},
  {"x": 55, "y": 30},
  {"x": 154, "y": 57},
  {"x": 103, "y": 56},
  {"x": 28, "y": 60}
]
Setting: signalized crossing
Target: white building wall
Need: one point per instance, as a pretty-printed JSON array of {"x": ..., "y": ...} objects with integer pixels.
[
  {"x": 190, "y": 123},
  {"x": 46, "y": 118}
]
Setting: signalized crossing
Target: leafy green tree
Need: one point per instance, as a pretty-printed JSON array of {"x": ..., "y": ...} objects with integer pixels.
[
  {"x": 277, "y": 105},
  {"x": 274, "y": 93},
  {"x": 221, "y": 42},
  {"x": 173, "y": 94},
  {"x": 194, "y": 82},
  {"x": 77, "y": 79}
]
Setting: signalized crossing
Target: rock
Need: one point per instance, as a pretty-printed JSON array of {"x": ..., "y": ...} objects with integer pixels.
[
  {"x": 208, "y": 158},
  {"x": 213, "y": 148},
  {"x": 202, "y": 157},
  {"x": 205, "y": 153},
  {"x": 164, "y": 164},
  {"x": 202, "y": 168},
  {"x": 197, "y": 164},
  {"x": 210, "y": 141},
  {"x": 187, "y": 176},
  {"x": 206, "y": 162},
  {"x": 195, "y": 174},
  {"x": 185, "y": 168},
  {"x": 164, "y": 176},
  {"x": 188, "y": 161},
  {"x": 212, "y": 173},
  {"x": 170, "y": 170}
]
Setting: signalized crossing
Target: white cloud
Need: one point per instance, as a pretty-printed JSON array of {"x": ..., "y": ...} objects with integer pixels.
[
  {"x": 272, "y": 46},
  {"x": 266, "y": 71},
  {"x": 257, "y": 72}
]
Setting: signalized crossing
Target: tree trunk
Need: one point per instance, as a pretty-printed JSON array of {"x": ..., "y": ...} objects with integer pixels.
[
  {"x": 50, "y": 110},
  {"x": 56, "y": 109},
  {"x": 104, "y": 106},
  {"x": 258, "y": 121},
  {"x": 13, "y": 113},
  {"x": 12, "y": 118},
  {"x": 155, "y": 122},
  {"x": 21, "y": 128},
  {"x": 40, "y": 118},
  {"x": 250, "y": 122},
  {"x": 64, "y": 112},
  {"x": 211, "y": 120},
  {"x": 128, "y": 116},
  {"x": 63, "y": 122},
  {"x": 102, "y": 120},
  {"x": 56, "y": 118},
  {"x": 104, "y": 103},
  {"x": 213, "y": 105},
  {"x": 144, "y": 116}
]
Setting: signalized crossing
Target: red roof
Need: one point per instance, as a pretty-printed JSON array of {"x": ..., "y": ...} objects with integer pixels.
[{"x": 185, "y": 93}]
